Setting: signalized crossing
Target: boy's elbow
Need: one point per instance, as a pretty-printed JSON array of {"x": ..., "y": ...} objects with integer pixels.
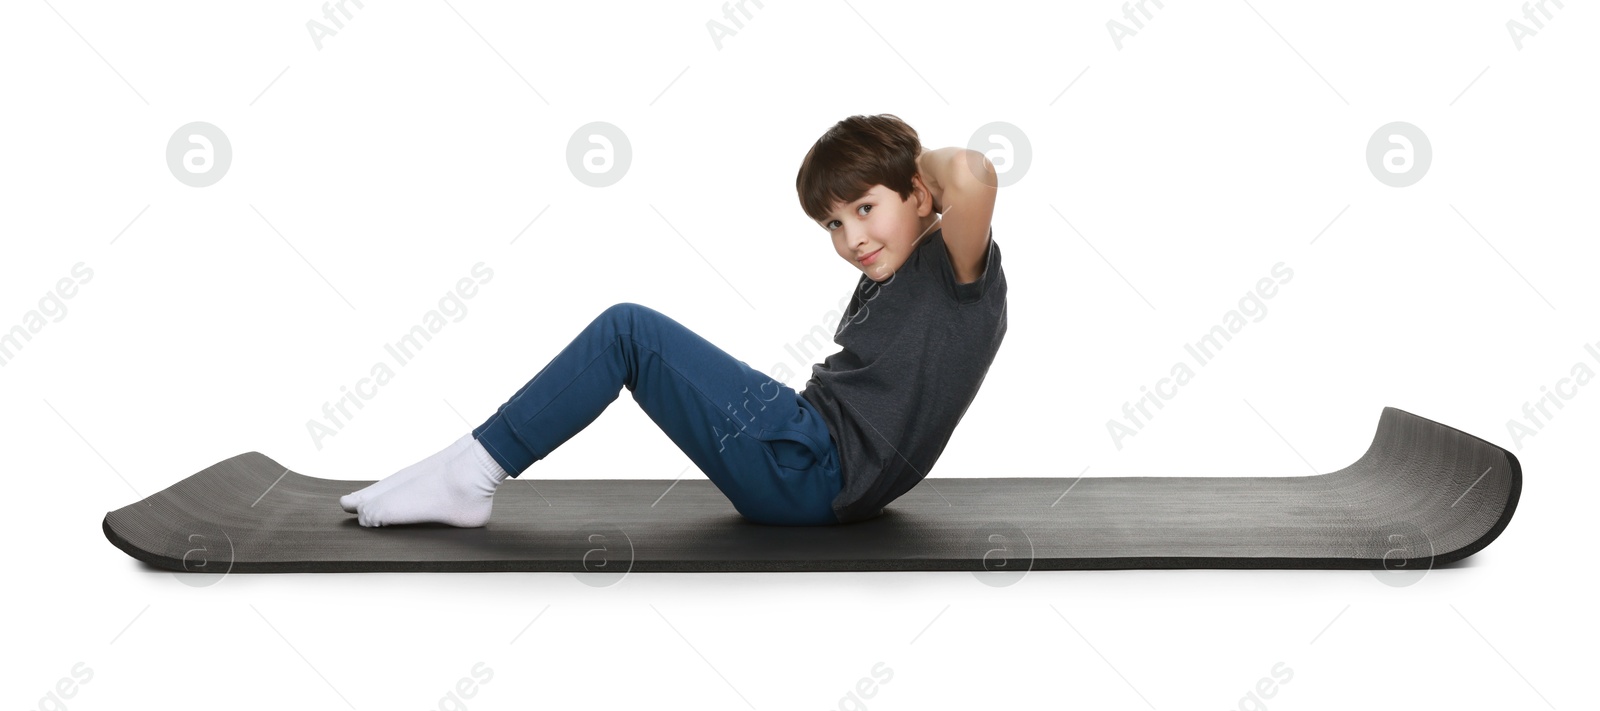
[{"x": 980, "y": 171}]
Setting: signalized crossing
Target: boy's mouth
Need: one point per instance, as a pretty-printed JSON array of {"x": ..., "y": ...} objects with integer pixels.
[{"x": 870, "y": 258}]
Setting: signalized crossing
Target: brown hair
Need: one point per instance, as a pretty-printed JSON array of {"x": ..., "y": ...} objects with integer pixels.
[{"x": 856, "y": 154}]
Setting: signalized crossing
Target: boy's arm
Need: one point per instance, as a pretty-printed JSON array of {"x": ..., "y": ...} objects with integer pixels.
[{"x": 964, "y": 186}]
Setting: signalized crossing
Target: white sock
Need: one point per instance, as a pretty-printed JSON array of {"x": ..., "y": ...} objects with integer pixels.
[
  {"x": 349, "y": 501},
  {"x": 457, "y": 489}
]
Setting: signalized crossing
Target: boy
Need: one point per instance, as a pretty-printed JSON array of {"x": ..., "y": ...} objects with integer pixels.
[{"x": 923, "y": 326}]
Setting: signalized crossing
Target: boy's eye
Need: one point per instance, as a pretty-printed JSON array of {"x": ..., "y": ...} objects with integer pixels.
[{"x": 867, "y": 206}]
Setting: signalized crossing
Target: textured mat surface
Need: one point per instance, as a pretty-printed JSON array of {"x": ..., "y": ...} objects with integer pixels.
[{"x": 1424, "y": 494}]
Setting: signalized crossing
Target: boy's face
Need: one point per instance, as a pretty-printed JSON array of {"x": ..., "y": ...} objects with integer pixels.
[{"x": 881, "y": 227}]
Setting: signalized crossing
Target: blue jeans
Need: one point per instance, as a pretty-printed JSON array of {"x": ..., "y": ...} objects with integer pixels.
[{"x": 761, "y": 443}]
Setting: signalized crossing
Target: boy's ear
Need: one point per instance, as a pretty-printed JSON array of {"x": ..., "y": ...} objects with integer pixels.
[{"x": 927, "y": 203}]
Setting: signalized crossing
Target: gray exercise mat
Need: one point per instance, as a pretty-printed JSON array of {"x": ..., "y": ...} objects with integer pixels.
[{"x": 1423, "y": 495}]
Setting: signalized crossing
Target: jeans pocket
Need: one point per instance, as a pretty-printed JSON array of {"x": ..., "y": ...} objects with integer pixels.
[{"x": 791, "y": 453}]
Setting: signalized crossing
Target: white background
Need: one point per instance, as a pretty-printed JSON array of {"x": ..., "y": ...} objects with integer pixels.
[{"x": 370, "y": 175}]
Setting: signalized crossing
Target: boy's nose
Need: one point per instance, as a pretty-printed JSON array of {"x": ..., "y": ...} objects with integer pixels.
[{"x": 855, "y": 240}]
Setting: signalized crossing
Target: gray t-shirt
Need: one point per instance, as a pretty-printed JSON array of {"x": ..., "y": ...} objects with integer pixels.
[{"x": 916, "y": 348}]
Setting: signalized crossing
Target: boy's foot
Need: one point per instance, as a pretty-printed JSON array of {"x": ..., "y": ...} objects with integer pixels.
[
  {"x": 349, "y": 502},
  {"x": 457, "y": 490}
]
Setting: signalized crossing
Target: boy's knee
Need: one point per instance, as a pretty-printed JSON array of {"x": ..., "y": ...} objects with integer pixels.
[
  {"x": 622, "y": 312},
  {"x": 630, "y": 314},
  {"x": 625, "y": 309}
]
